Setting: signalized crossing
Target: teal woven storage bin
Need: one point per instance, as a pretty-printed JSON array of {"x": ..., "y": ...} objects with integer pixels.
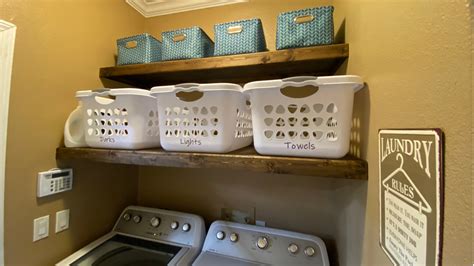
[
  {"x": 186, "y": 44},
  {"x": 138, "y": 49},
  {"x": 239, "y": 37},
  {"x": 306, "y": 27}
]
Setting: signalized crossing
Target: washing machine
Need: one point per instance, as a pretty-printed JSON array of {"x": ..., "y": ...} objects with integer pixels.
[
  {"x": 229, "y": 243},
  {"x": 145, "y": 236}
]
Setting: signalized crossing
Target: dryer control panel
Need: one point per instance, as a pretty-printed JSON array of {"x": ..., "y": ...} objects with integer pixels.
[
  {"x": 157, "y": 224},
  {"x": 263, "y": 245}
]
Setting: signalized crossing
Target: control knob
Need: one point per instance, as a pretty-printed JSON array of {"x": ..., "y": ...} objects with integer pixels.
[
  {"x": 262, "y": 242},
  {"x": 186, "y": 227},
  {"x": 309, "y": 251},
  {"x": 126, "y": 217},
  {"x": 137, "y": 218},
  {"x": 174, "y": 225},
  {"x": 155, "y": 221},
  {"x": 234, "y": 237},
  {"x": 293, "y": 248},
  {"x": 220, "y": 235}
]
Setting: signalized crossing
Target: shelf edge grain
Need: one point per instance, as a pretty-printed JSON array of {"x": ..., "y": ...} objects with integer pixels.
[{"x": 245, "y": 159}]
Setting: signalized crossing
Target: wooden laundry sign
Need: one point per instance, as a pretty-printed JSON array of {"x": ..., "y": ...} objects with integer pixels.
[{"x": 410, "y": 195}]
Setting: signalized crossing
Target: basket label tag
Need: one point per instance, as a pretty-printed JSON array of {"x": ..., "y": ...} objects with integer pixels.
[
  {"x": 300, "y": 146},
  {"x": 190, "y": 142},
  {"x": 107, "y": 140}
]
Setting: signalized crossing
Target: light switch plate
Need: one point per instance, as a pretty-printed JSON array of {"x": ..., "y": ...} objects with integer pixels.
[
  {"x": 62, "y": 220},
  {"x": 40, "y": 228}
]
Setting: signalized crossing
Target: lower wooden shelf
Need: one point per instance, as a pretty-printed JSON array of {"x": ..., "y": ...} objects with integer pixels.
[{"x": 247, "y": 159}]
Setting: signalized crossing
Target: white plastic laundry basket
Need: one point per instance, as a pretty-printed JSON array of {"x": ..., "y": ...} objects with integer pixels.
[
  {"x": 120, "y": 118},
  {"x": 203, "y": 117},
  {"x": 303, "y": 116}
]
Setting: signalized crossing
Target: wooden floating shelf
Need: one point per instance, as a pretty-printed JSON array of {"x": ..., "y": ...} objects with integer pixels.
[
  {"x": 247, "y": 159},
  {"x": 317, "y": 60}
]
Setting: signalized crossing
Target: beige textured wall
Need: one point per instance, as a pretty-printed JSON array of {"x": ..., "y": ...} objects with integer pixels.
[
  {"x": 416, "y": 59},
  {"x": 60, "y": 46}
]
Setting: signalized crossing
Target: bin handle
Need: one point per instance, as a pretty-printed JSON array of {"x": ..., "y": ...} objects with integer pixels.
[
  {"x": 188, "y": 92},
  {"x": 299, "y": 87},
  {"x": 77, "y": 140}
]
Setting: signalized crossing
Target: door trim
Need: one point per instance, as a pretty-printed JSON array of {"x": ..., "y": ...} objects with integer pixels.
[{"x": 7, "y": 43}]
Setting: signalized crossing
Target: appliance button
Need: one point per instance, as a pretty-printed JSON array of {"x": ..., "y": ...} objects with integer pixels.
[
  {"x": 174, "y": 225},
  {"x": 186, "y": 227},
  {"x": 234, "y": 237},
  {"x": 155, "y": 221},
  {"x": 309, "y": 251},
  {"x": 220, "y": 235},
  {"x": 262, "y": 242},
  {"x": 126, "y": 217},
  {"x": 137, "y": 218},
  {"x": 293, "y": 248}
]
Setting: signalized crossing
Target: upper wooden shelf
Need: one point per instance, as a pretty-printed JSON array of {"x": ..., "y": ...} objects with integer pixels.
[
  {"x": 317, "y": 60},
  {"x": 244, "y": 159}
]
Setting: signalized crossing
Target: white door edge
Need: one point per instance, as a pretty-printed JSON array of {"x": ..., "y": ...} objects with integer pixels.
[{"x": 7, "y": 43}]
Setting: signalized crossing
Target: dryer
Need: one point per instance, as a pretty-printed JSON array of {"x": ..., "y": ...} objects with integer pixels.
[
  {"x": 229, "y": 243},
  {"x": 145, "y": 236}
]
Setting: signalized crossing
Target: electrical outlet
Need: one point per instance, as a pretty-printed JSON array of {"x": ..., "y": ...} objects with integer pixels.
[{"x": 238, "y": 216}]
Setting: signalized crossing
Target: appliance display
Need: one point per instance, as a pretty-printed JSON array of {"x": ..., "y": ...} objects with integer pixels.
[
  {"x": 145, "y": 236},
  {"x": 229, "y": 243}
]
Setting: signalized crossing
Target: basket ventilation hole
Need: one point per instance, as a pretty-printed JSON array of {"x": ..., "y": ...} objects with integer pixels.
[
  {"x": 176, "y": 110},
  {"x": 97, "y": 132},
  {"x": 96, "y": 122},
  {"x": 110, "y": 122},
  {"x": 214, "y": 121},
  {"x": 125, "y": 132},
  {"x": 102, "y": 131},
  {"x": 149, "y": 132},
  {"x": 280, "y": 122},
  {"x": 117, "y": 111},
  {"x": 96, "y": 112},
  {"x": 102, "y": 122},
  {"x": 186, "y": 133},
  {"x": 110, "y": 132},
  {"x": 317, "y": 121},
  {"x": 176, "y": 122},
  {"x": 151, "y": 114},
  {"x": 331, "y": 136},
  {"x": 204, "y": 122},
  {"x": 268, "y": 121},
  {"x": 332, "y": 122},
  {"x": 304, "y": 135},
  {"x": 332, "y": 108},
  {"x": 124, "y": 111},
  {"x": 214, "y": 132},
  {"x": 89, "y": 112},
  {"x": 280, "y": 135},
  {"x": 213, "y": 110},
  {"x": 90, "y": 131},
  {"x": 150, "y": 123},
  {"x": 167, "y": 111},
  {"x": 177, "y": 132},
  {"x": 292, "y": 108},
  {"x": 317, "y": 135},
  {"x": 185, "y": 111},
  {"x": 204, "y": 133},
  {"x": 195, "y": 121},
  {"x": 110, "y": 112},
  {"x": 280, "y": 109},
  {"x": 89, "y": 122},
  {"x": 318, "y": 107},
  {"x": 168, "y": 122},
  {"x": 204, "y": 111},
  {"x": 195, "y": 110},
  {"x": 268, "y": 109},
  {"x": 117, "y": 122},
  {"x": 305, "y": 122},
  {"x": 268, "y": 133},
  {"x": 185, "y": 122},
  {"x": 125, "y": 122},
  {"x": 304, "y": 109},
  {"x": 292, "y": 134},
  {"x": 102, "y": 112},
  {"x": 292, "y": 121},
  {"x": 168, "y": 133}
]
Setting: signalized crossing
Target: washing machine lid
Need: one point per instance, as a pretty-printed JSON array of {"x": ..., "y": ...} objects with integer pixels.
[
  {"x": 124, "y": 250},
  {"x": 210, "y": 258}
]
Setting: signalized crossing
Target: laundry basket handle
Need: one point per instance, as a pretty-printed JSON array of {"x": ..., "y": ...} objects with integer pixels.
[
  {"x": 103, "y": 96},
  {"x": 188, "y": 92},
  {"x": 187, "y": 86},
  {"x": 299, "y": 87}
]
